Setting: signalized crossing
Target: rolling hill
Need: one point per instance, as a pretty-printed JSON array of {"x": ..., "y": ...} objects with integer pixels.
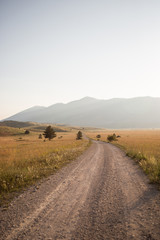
[{"x": 140, "y": 112}]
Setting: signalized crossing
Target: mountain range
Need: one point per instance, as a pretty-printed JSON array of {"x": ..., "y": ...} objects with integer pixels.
[{"x": 116, "y": 113}]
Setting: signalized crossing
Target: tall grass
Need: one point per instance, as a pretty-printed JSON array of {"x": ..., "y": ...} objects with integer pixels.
[
  {"x": 24, "y": 160},
  {"x": 142, "y": 145}
]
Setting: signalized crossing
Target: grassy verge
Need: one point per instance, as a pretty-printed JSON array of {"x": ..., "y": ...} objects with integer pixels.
[
  {"x": 141, "y": 145},
  {"x": 24, "y": 161},
  {"x": 149, "y": 163}
]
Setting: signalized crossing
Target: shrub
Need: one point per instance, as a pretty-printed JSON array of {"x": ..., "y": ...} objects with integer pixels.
[
  {"x": 112, "y": 137},
  {"x": 40, "y": 136},
  {"x": 98, "y": 136},
  {"x": 27, "y": 132}
]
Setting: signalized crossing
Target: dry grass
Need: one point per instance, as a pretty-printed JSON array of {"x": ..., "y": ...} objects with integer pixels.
[
  {"x": 142, "y": 145},
  {"x": 8, "y": 131},
  {"x": 25, "y": 158}
]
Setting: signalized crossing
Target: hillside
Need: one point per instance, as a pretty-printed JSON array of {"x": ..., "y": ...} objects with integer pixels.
[
  {"x": 16, "y": 124},
  {"x": 141, "y": 112},
  {"x": 12, "y": 125}
]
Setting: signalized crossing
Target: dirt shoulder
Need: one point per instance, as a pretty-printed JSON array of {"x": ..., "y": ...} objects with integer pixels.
[{"x": 101, "y": 195}]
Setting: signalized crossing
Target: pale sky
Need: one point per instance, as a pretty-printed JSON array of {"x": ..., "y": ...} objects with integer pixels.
[{"x": 63, "y": 50}]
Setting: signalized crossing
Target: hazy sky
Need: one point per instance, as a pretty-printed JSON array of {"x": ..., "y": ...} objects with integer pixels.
[{"x": 62, "y": 50}]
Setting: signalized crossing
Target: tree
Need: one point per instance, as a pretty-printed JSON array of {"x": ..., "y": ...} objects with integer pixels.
[
  {"x": 98, "y": 137},
  {"x": 49, "y": 133},
  {"x": 79, "y": 135}
]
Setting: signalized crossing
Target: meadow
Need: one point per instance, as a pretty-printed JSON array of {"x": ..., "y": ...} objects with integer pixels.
[
  {"x": 24, "y": 158},
  {"x": 142, "y": 145}
]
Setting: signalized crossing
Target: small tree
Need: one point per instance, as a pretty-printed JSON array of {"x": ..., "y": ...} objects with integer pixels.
[
  {"x": 27, "y": 132},
  {"x": 79, "y": 135},
  {"x": 98, "y": 137},
  {"x": 49, "y": 133}
]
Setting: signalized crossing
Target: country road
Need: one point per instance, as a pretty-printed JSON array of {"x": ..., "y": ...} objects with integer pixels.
[{"x": 101, "y": 195}]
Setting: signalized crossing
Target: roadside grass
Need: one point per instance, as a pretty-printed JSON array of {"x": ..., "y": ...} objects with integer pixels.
[
  {"x": 141, "y": 145},
  {"x": 25, "y": 159}
]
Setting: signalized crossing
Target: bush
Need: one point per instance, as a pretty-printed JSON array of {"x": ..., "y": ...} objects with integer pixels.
[
  {"x": 27, "y": 132},
  {"x": 98, "y": 136},
  {"x": 112, "y": 137},
  {"x": 40, "y": 136}
]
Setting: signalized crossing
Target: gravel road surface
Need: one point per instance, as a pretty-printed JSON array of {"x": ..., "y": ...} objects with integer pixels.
[{"x": 101, "y": 195}]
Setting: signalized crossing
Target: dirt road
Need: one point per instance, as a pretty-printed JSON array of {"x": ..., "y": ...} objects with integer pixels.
[{"x": 101, "y": 195}]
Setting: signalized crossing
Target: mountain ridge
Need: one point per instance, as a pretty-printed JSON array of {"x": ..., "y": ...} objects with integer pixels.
[{"x": 138, "y": 112}]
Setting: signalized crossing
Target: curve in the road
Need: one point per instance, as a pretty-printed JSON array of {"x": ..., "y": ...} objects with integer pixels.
[{"x": 101, "y": 195}]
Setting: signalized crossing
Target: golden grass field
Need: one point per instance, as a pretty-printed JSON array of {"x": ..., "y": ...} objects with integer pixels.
[
  {"x": 26, "y": 158},
  {"x": 142, "y": 145}
]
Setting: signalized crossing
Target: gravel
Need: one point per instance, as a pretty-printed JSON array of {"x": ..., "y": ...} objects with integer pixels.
[{"x": 101, "y": 195}]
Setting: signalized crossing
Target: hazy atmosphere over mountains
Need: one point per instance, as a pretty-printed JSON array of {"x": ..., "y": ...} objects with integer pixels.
[
  {"x": 140, "y": 112},
  {"x": 58, "y": 51}
]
